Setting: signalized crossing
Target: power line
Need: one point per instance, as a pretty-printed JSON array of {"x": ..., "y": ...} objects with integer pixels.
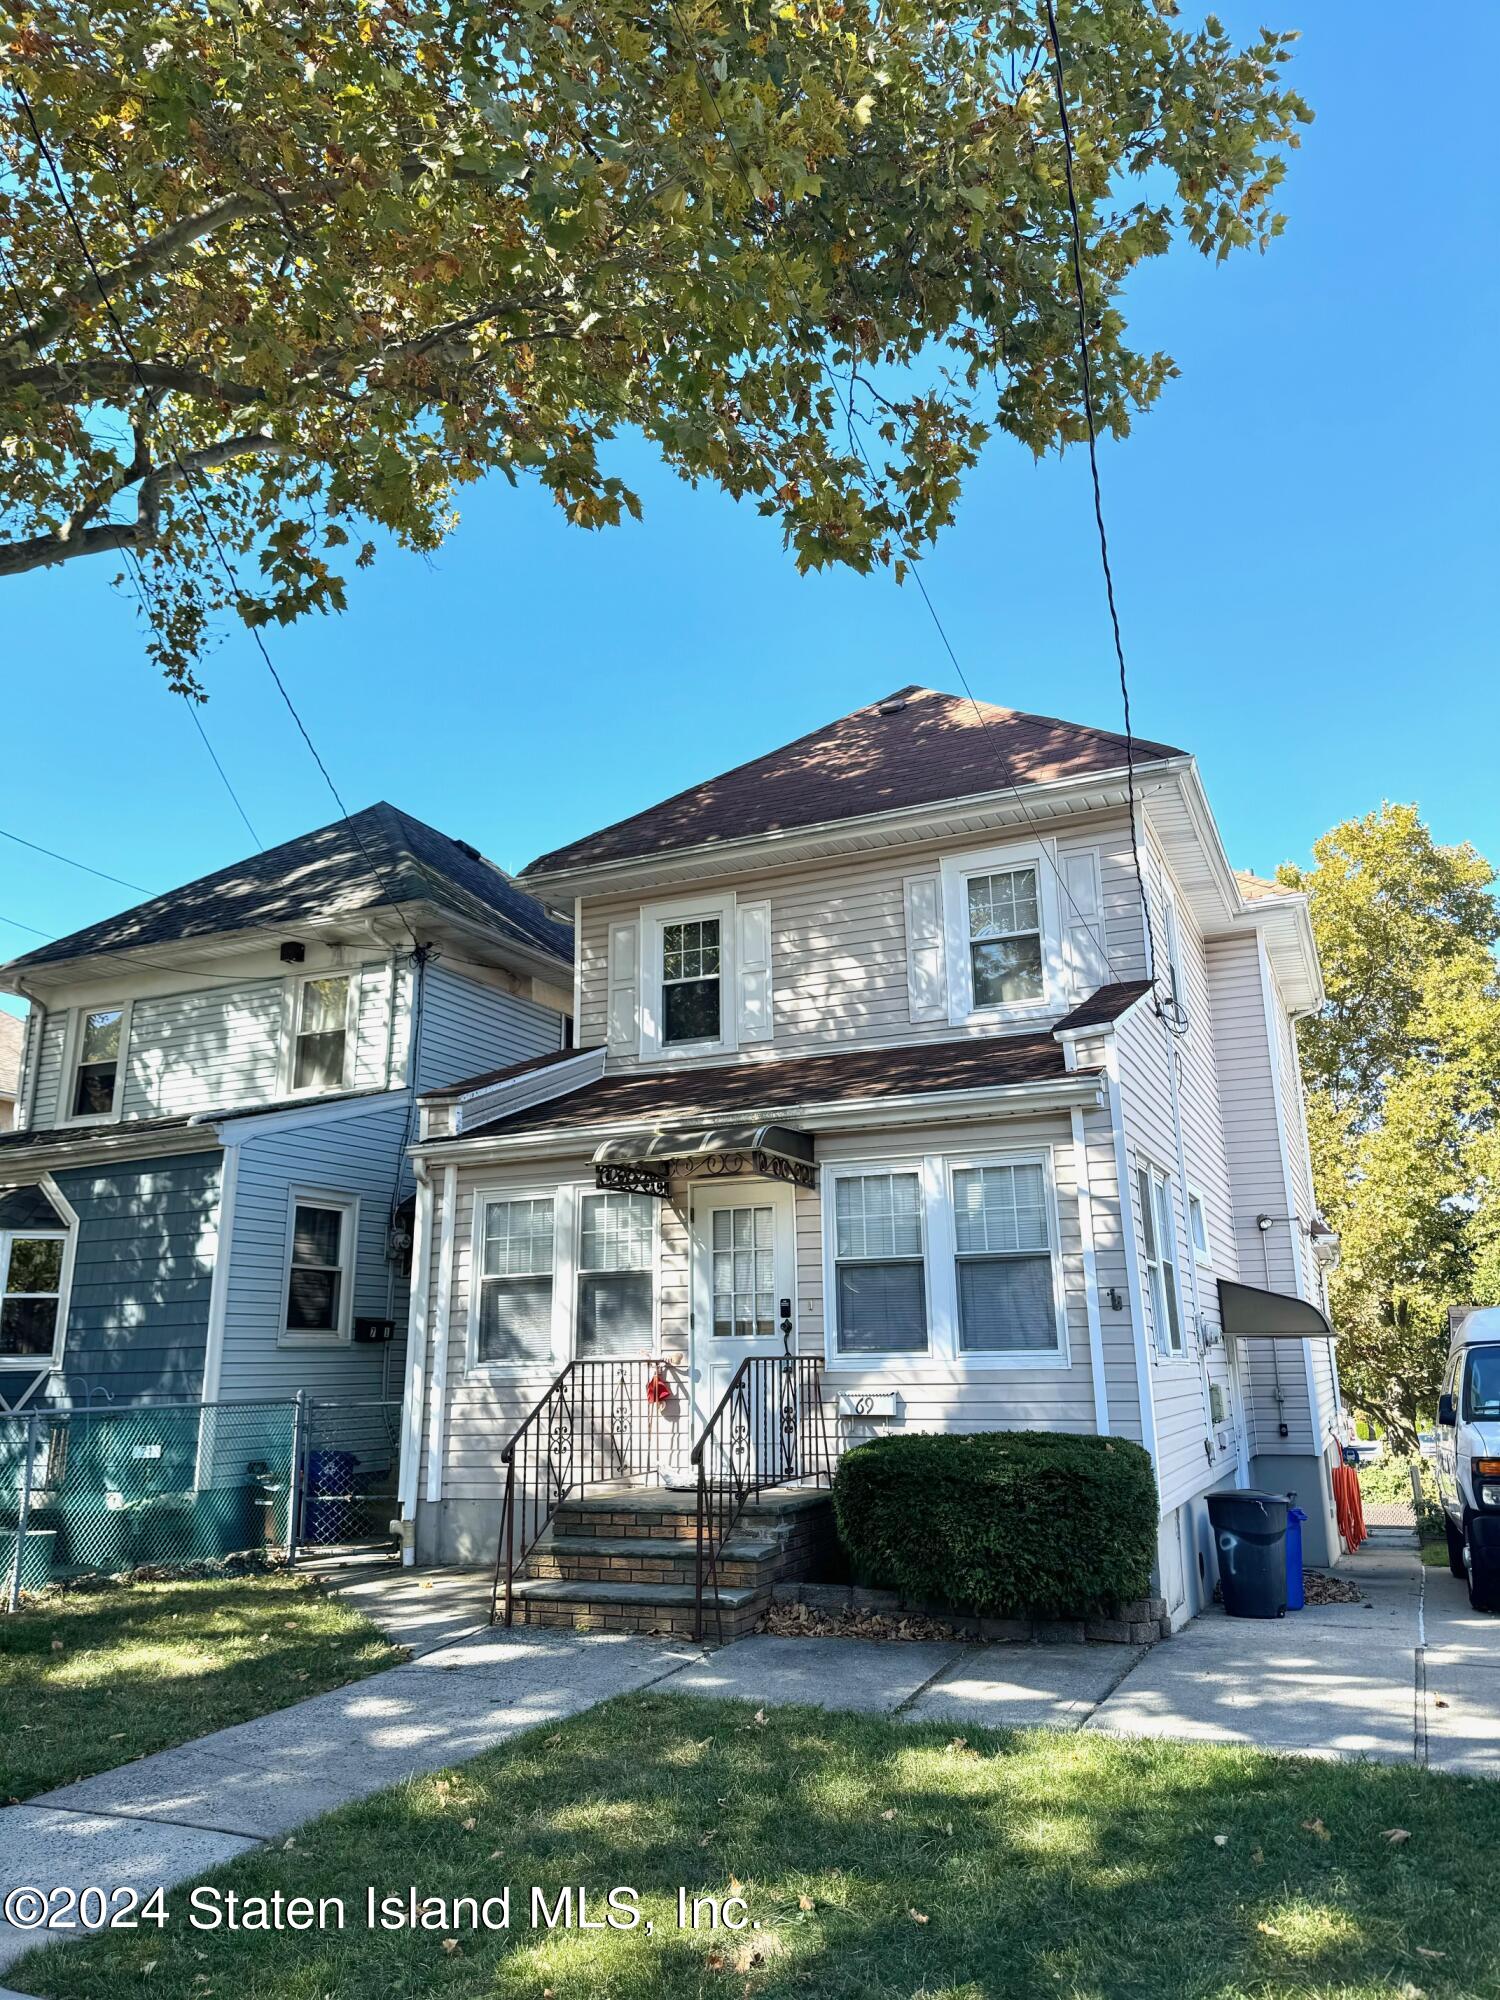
[
  {"x": 52, "y": 855},
  {"x": 203, "y": 733},
  {"x": 914, "y": 561},
  {"x": 191, "y": 482},
  {"x": 1086, "y": 375}
]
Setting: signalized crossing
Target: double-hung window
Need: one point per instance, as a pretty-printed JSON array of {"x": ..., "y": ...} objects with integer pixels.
[
  {"x": 515, "y": 1278},
  {"x": 616, "y": 1234},
  {"x": 1007, "y": 1299},
  {"x": 1159, "y": 1225},
  {"x": 879, "y": 1263},
  {"x": 320, "y": 1268},
  {"x": 692, "y": 1000},
  {"x": 96, "y": 1074},
  {"x": 1005, "y": 938},
  {"x": 320, "y": 1041},
  {"x": 31, "y": 1284}
]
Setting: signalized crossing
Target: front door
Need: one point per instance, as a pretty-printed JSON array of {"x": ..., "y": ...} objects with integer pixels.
[{"x": 744, "y": 1272}]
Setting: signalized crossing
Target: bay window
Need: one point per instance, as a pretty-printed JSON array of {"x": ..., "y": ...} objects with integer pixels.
[
  {"x": 616, "y": 1236},
  {"x": 1002, "y": 1234},
  {"x": 514, "y": 1279},
  {"x": 31, "y": 1286},
  {"x": 880, "y": 1287}
]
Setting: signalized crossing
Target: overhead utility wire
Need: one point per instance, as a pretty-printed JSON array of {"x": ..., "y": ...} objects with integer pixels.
[
  {"x": 846, "y": 404},
  {"x": 192, "y": 484},
  {"x": 214, "y": 755},
  {"x": 52, "y": 855},
  {"x": 1086, "y": 376}
]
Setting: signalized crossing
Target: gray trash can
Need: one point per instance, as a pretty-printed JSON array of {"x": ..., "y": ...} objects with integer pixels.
[{"x": 1250, "y": 1536}]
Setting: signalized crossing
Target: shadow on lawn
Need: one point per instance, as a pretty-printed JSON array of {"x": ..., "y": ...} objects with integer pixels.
[{"x": 878, "y": 1860}]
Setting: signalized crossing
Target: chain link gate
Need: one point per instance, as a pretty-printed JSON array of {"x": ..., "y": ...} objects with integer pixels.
[{"x": 347, "y": 1457}]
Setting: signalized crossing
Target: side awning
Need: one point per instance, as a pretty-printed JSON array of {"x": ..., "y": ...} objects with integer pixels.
[
  {"x": 1248, "y": 1313},
  {"x": 644, "y": 1162}
]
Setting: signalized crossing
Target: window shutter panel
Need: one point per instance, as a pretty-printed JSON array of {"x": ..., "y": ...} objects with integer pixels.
[
  {"x": 624, "y": 986},
  {"x": 926, "y": 966},
  {"x": 1083, "y": 924},
  {"x": 753, "y": 971}
]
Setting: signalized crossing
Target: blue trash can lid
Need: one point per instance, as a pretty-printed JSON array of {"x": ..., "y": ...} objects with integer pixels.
[{"x": 1295, "y": 1514}]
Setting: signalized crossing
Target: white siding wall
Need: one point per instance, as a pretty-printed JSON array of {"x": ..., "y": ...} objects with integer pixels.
[
  {"x": 469, "y": 1026},
  {"x": 838, "y": 943},
  {"x": 201, "y": 1051}
]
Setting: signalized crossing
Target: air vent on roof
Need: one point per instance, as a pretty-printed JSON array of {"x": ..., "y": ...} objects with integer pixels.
[
  {"x": 472, "y": 852},
  {"x": 891, "y": 707}
]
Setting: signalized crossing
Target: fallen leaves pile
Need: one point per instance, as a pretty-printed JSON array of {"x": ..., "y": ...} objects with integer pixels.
[
  {"x": 805, "y": 1621},
  {"x": 1317, "y": 1588}
]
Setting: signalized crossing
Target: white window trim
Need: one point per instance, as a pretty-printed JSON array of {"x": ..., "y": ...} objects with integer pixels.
[
  {"x": 956, "y": 870},
  {"x": 288, "y": 1064},
  {"x": 981, "y": 1357},
  {"x": 567, "y": 1199},
  {"x": 1158, "y": 1177},
  {"x": 944, "y": 1357},
  {"x": 316, "y": 1197},
  {"x": 66, "y": 1231},
  {"x": 1176, "y": 980},
  {"x": 1202, "y": 1258},
  {"x": 73, "y": 1056},
  {"x": 654, "y": 916}
]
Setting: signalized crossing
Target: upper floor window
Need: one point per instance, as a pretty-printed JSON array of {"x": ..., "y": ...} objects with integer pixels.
[
  {"x": 1159, "y": 1225},
  {"x": 1007, "y": 1301},
  {"x": 1005, "y": 938},
  {"x": 320, "y": 1044},
  {"x": 96, "y": 1077},
  {"x": 691, "y": 983},
  {"x": 31, "y": 1286},
  {"x": 1198, "y": 1229},
  {"x": 616, "y": 1238}
]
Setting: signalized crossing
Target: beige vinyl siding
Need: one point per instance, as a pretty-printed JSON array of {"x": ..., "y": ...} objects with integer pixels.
[
  {"x": 200, "y": 1051},
  {"x": 838, "y": 943},
  {"x": 484, "y": 1409},
  {"x": 1273, "y": 1375}
]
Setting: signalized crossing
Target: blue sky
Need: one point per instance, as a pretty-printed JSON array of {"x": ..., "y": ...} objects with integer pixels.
[{"x": 1302, "y": 534}]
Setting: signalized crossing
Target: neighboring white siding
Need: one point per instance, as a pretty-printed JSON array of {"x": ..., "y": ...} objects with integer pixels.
[
  {"x": 469, "y": 1027},
  {"x": 839, "y": 944},
  {"x": 354, "y": 1156},
  {"x": 204, "y": 1051}
]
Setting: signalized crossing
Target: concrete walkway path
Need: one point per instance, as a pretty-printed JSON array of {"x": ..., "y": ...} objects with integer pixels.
[{"x": 1410, "y": 1675}]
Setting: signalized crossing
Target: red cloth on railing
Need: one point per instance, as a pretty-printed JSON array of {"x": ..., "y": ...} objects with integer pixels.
[{"x": 1351, "y": 1512}]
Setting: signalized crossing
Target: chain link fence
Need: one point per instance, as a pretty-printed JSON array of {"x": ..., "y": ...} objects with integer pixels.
[{"x": 103, "y": 1492}]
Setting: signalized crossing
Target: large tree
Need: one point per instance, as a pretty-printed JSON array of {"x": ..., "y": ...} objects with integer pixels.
[
  {"x": 344, "y": 258},
  {"x": 1402, "y": 1071}
]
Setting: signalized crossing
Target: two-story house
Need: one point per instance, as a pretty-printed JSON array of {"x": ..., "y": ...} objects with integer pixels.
[
  {"x": 203, "y": 1195},
  {"x": 871, "y": 1060}
]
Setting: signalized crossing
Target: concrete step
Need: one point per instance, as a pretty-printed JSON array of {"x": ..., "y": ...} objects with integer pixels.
[
  {"x": 650, "y": 1559},
  {"x": 661, "y": 1511},
  {"x": 634, "y": 1607}
]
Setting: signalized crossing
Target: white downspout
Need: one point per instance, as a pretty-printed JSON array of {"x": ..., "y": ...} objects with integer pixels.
[{"x": 416, "y": 1364}]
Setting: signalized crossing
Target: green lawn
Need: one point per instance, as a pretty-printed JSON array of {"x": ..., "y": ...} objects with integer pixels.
[
  {"x": 879, "y": 1860},
  {"x": 92, "y": 1678}
]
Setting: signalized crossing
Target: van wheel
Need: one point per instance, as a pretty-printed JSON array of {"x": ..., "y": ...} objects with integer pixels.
[
  {"x": 1455, "y": 1549},
  {"x": 1484, "y": 1583}
]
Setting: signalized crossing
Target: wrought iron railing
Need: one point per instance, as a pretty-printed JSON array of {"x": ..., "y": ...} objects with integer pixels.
[
  {"x": 768, "y": 1429},
  {"x": 598, "y": 1424}
]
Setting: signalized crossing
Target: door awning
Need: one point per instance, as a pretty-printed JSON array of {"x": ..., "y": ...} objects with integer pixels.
[
  {"x": 644, "y": 1162},
  {"x": 1251, "y": 1314}
]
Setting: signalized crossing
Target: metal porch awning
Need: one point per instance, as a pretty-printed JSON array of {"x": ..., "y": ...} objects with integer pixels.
[
  {"x": 1247, "y": 1313},
  {"x": 644, "y": 1162}
]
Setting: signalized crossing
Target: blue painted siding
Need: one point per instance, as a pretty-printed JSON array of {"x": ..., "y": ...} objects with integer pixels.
[
  {"x": 138, "y": 1313},
  {"x": 468, "y": 1027},
  {"x": 360, "y": 1156}
]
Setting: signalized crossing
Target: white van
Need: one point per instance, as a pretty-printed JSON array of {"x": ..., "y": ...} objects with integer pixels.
[{"x": 1467, "y": 1459}]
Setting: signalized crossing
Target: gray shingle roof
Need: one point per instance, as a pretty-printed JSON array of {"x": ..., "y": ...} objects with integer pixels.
[{"x": 371, "y": 860}]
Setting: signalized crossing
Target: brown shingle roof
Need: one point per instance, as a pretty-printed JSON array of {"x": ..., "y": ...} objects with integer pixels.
[
  {"x": 488, "y": 1076},
  {"x": 670, "y": 1097},
  {"x": 915, "y": 747},
  {"x": 1104, "y": 1008}
]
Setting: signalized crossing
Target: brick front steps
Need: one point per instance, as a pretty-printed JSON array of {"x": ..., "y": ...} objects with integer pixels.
[{"x": 624, "y": 1559}]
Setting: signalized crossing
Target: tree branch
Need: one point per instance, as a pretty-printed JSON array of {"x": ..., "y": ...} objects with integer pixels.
[
  {"x": 118, "y": 378},
  {"x": 43, "y": 551}
]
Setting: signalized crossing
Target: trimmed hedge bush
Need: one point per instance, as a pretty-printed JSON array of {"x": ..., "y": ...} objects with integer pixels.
[{"x": 1003, "y": 1523}]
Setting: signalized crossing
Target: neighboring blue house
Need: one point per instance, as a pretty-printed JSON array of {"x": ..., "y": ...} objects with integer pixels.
[{"x": 205, "y": 1193}]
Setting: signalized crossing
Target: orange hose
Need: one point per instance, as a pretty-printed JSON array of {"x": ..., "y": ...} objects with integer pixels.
[{"x": 1351, "y": 1512}]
